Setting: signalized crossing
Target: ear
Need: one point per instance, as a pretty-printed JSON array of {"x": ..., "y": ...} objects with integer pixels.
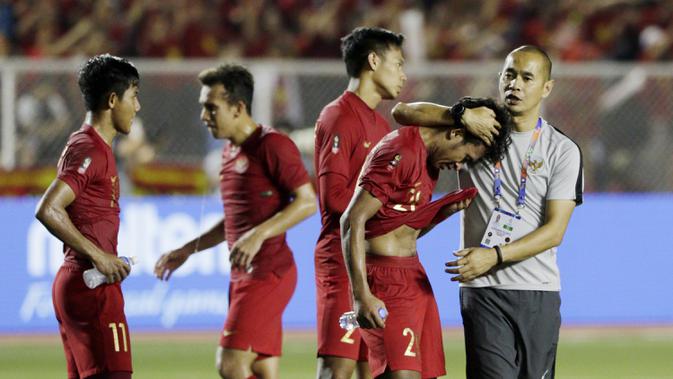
[
  {"x": 454, "y": 133},
  {"x": 548, "y": 86},
  {"x": 240, "y": 109},
  {"x": 112, "y": 100},
  {"x": 373, "y": 60}
]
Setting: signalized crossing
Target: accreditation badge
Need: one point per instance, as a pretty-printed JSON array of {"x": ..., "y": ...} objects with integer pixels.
[{"x": 500, "y": 228}]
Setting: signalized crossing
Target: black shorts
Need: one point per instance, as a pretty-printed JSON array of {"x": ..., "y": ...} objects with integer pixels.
[{"x": 510, "y": 333}]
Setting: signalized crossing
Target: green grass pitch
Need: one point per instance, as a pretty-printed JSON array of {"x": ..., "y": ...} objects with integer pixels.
[{"x": 584, "y": 353}]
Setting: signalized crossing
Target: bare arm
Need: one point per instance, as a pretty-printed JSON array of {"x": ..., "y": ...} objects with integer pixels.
[
  {"x": 473, "y": 262},
  {"x": 170, "y": 261},
  {"x": 248, "y": 245},
  {"x": 422, "y": 114},
  {"x": 362, "y": 207},
  {"x": 479, "y": 121},
  {"x": 51, "y": 212}
]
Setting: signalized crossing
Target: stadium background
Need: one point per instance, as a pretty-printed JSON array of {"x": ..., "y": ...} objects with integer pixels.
[{"x": 613, "y": 96}]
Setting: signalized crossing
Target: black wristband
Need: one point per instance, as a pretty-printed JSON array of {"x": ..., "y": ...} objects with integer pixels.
[
  {"x": 498, "y": 251},
  {"x": 457, "y": 111}
]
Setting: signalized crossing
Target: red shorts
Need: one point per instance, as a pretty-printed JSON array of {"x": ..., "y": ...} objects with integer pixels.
[
  {"x": 412, "y": 338},
  {"x": 92, "y": 323},
  {"x": 333, "y": 298},
  {"x": 256, "y": 306}
]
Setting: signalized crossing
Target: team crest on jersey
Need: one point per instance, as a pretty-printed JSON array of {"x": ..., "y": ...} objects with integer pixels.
[
  {"x": 85, "y": 164},
  {"x": 366, "y": 144},
  {"x": 394, "y": 162},
  {"x": 241, "y": 164},
  {"x": 535, "y": 165},
  {"x": 336, "y": 143}
]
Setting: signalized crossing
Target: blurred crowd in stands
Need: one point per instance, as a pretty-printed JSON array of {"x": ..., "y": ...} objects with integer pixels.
[{"x": 571, "y": 30}]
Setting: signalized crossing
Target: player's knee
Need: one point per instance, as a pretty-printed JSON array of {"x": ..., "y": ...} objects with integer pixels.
[
  {"x": 335, "y": 369},
  {"x": 228, "y": 369},
  {"x": 225, "y": 366}
]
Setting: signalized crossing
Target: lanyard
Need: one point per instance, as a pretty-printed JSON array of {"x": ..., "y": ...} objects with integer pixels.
[{"x": 497, "y": 185}]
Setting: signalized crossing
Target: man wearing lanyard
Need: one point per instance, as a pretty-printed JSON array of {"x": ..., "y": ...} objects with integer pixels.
[{"x": 509, "y": 278}]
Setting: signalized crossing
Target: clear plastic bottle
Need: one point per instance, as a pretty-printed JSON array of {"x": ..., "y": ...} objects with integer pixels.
[
  {"x": 349, "y": 321},
  {"x": 94, "y": 278}
]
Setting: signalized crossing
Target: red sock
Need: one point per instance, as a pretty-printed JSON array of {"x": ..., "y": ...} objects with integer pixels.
[{"x": 252, "y": 377}]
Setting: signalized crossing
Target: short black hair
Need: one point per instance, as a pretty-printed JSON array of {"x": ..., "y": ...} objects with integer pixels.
[
  {"x": 498, "y": 148},
  {"x": 356, "y": 46},
  {"x": 537, "y": 50},
  {"x": 102, "y": 75},
  {"x": 237, "y": 81}
]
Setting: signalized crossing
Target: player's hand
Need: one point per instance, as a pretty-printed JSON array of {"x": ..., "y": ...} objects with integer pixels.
[
  {"x": 169, "y": 262},
  {"x": 452, "y": 208},
  {"x": 482, "y": 123},
  {"x": 369, "y": 310},
  {"x": 471, "y": 263},
  {"x": 245, "y": 249},
  {"x": 114, "y": 269}
]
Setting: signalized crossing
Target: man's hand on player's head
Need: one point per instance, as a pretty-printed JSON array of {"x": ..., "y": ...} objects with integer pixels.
[{"x": 482, "y": 123}]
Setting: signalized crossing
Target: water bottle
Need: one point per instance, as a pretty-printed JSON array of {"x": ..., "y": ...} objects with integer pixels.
[
  {"x": 94, "y": 278},
  {"x": 349, "y": 321}
]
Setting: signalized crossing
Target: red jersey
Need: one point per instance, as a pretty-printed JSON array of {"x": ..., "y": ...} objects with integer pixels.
[
  {"x": 88, "y": 166},
  {"x": 346, "y": 131},
  {"x": 256, "y": 182},
  {"x": 397, "y": 173}
]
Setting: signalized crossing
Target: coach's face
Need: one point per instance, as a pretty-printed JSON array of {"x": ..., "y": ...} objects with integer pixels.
[
  {"x": 217, "y": 114},
  {"x": 523, "y": 82},
  {"x": 389, "y": 74}
]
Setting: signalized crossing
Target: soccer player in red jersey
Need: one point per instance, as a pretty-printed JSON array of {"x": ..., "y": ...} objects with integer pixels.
[
  {"x": 345, "y": 132},
  {"x": 265, "y": 190},
  {"x": 81, "y": 208},
  {"x": 389, "y": 211}
]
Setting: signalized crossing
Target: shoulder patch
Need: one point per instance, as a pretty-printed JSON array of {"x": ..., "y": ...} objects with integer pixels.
[
  {"x": 336, "y": 143},
  {"x": 394, "y": 162},
  {"x": 85, "y": 164}
]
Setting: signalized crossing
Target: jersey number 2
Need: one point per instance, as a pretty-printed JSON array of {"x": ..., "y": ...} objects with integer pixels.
[
  {"x": 347, "y": 337},
  {"x": 408, "y": 352}
]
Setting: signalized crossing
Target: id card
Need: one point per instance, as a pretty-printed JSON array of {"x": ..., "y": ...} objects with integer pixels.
[{"x": 500, "y": 228}]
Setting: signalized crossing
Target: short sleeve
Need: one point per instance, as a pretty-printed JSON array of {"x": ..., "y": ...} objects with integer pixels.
[
  {"x": 337, "y": 140},
  {"x": 79, "y": 165},
  {"x": 283, "y": 161},
  {"x": 566, "y": 181},
  {"x": 383, "y": 173}
]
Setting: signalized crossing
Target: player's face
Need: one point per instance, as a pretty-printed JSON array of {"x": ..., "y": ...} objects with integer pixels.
[
  {"x": 457, "y": 152},
  {"x": 125, "y": 110},
  {"x": 523, "y": 82},
  {"x": 217, "y": 114},
  {"x": 389, "y": 74}
]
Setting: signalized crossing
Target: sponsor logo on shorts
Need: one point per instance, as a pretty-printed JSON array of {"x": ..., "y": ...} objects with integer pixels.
[{"x": 227, "y": 333}]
